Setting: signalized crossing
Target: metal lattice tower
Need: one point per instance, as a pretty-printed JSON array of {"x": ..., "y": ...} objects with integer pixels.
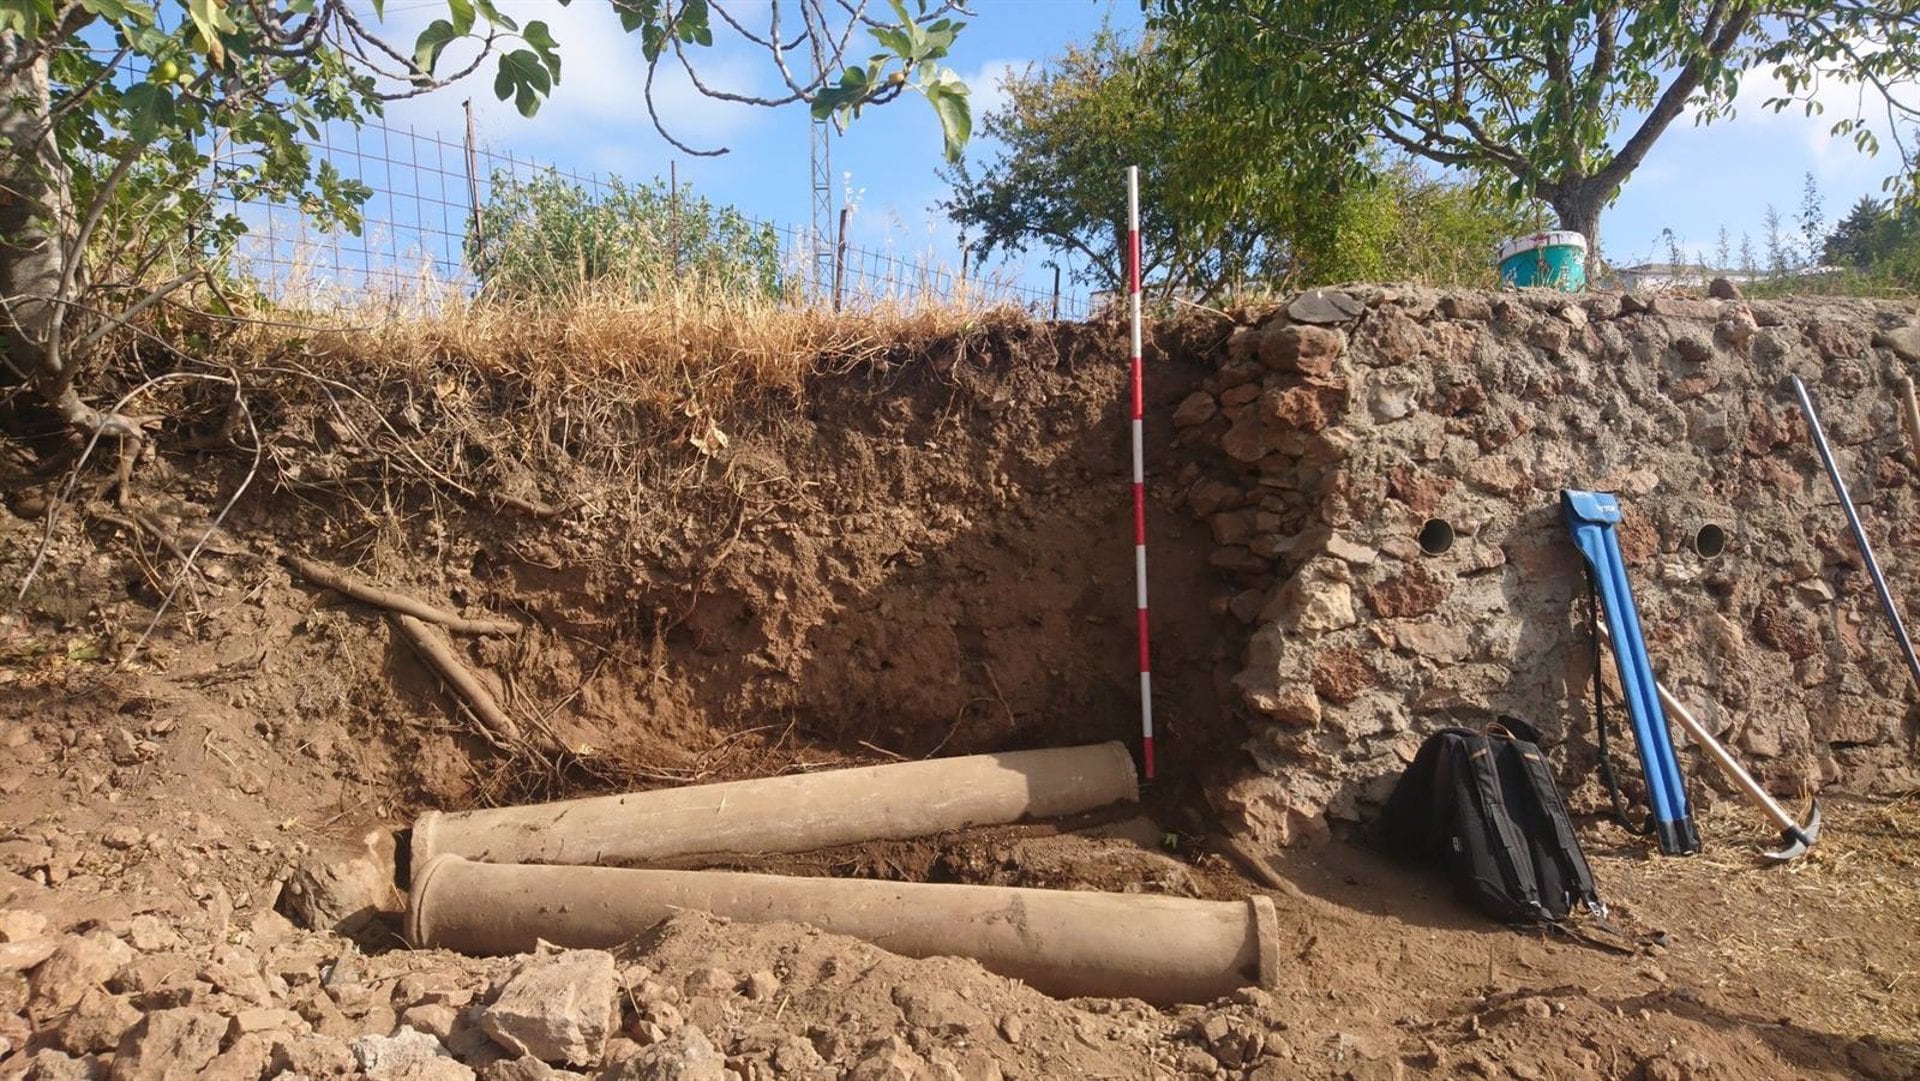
[{"x": 820, "y": 258}]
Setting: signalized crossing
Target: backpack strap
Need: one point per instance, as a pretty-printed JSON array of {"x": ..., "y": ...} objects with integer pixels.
[
  {"x": 1564, "y": 845},
  {"x": 1510, "y": 847}
]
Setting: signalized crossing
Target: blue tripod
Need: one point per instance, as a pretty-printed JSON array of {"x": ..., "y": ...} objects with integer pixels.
[{"x": 1591, "y": 517}]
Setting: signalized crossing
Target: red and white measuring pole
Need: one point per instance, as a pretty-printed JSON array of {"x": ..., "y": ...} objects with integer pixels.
[{"x": 1139, "y": 474}]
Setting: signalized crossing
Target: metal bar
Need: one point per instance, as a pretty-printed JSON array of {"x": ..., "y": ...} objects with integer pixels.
[{"x": 1859, "y": 531}]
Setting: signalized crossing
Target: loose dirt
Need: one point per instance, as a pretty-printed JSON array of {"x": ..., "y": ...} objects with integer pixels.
[{"x": 923, "y": 553}]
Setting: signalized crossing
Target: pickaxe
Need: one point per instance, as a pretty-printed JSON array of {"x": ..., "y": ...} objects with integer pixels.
[{"x": 1796, "y": 837}]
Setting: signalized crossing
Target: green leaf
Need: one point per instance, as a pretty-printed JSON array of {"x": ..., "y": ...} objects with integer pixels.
[
  {"x": 117, "y": 11},
  {"x": 948, "y": 96},
  {"x": 462, "y": 12},
  {"x": 427, "y": 48},
  {"x": 537, "y": 35},
  {"x": 494, "y": 17},
  {"x": 692, "y": 23},
  {"x": 210, "y": 18},
  {"x": 524, "y": 78},
  {"x": 149, "y": 110}
]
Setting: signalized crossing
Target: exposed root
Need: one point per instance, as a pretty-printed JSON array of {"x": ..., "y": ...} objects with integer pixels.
[
  {"x": 341, "y": 582},
  {"x": 500, "y": 728}
]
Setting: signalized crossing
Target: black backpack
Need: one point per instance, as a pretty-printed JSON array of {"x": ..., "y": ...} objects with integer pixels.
[{"x": 1485, "y": 807}]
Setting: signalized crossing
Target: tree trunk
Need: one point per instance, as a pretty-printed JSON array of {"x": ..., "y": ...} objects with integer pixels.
[
  {"x": 36, "y": 219},
  {"x": 37, "y": 231},
  {"x": 1579, "y": 212}
]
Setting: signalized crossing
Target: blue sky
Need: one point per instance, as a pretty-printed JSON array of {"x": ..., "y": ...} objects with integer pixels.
[{"x": 1696, "y": 180}]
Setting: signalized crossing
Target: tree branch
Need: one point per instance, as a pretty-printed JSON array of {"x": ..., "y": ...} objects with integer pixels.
[{"x": 1674, "y": 100}]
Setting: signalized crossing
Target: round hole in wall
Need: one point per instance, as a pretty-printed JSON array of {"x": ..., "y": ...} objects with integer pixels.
[
  {"x": 1709, "y": 541},
  {"x": 1436, "y": 536}
]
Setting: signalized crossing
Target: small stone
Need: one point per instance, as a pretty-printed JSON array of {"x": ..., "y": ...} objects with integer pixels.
[
  {"x": 1312, "y": 604},
  {"x": 1291, "y": 704},
  {"x": 1348, "y": 551},
  {"x": 80, "y": 964},
  {"x": 312, "y": 1056},
  {"x": 436, "y": 1021},
  {"x": 938, "y": 1010},
  {"x": 124, "y": 748},
  {"x": 796, "y": 1055},
  {"x": 1242, "y": 343},
  {"x": 687, "y": 1055},
  {"x": 343, "y": 889},
  {"x": 1412, "y": 592},
  {"x": 1436, "y": 641},
  {"x": 663, "y": 1015},
  {"x": 122, "y": 837},
  {"x": 1904, "y": 341},
  {"x": 973, "y": 1065},
  {"x": 97, "y": 1023},
  {"x": 1245, "y": 605},
  {"x": 27, "y": 953},
  {"x": 51, "y": 1065},
  {"x": 1234, "y": 397},
  {"x": 1324, "y": 306},
  {"x": 1469, "y": 307},
  {"x": 709, "y": 981},
  {"x": 1237, "y": 560},
  {"x": 645, "y": 1033},
  {"x": 762, "y": 985},
  {"x": 895, "y": 1060},
  {"x": 1246, "y": 440},
  {"x": 245, "y": 1059},
  {"x": 1208, "y": 497},
  {"x": 169, "y": 1044},
  {"x": 150, "y": 934},
  {"x": 403, "y": 1053},
  {"x": 1693, "y": 347},
  {"x": 1012, "y": 1028},
  {"x": 1723, "y": 289},
  {"x": 17, "y": 925},
  {"x": 264, "y": 1019},
  {"x": 1194, "y": 410},
  {"x": 558, "y": 1007},
  {"x": 524, "y": 1068},
  {"x": 1307, "y": 350}
]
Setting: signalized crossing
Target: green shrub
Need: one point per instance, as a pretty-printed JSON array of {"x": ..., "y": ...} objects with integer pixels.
[{"x": 548, "y": 236}]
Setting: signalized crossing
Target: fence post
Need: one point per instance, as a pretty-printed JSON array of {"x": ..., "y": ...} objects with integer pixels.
[
  {"x": 673, "y": 211},
  {"x": 1056, "y": 292},
  {"x": 473, "y": 180},
  {"x": 840, "y": 257}
]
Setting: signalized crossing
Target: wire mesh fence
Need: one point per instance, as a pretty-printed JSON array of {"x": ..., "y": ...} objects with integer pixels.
[{"x": 421, "y": 224}]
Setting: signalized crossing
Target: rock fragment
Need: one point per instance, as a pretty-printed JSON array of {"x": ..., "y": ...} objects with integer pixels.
[{"x": 558, "y": 1007}]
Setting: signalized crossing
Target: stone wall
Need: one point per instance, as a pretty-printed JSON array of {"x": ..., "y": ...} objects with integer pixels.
[{"x": 1342, "y": 431}]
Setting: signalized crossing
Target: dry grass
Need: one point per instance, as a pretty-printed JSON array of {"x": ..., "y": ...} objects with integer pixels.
[
  {"x": 1826, "y": 940},
  {"x": 692, "y": 343}
]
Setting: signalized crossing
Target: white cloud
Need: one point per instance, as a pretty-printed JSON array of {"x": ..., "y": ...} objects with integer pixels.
[
  {"x": 596, "y": 116},
  {"x": 985, "y": 84},
  {"x": 1832, "y": 100}
]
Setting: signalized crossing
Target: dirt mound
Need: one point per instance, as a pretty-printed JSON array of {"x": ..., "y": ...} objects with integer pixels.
[{"x": 923, "y": 549}]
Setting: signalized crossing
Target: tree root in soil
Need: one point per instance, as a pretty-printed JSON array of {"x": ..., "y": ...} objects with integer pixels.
[
  {"x": 342, "y": 582},
  {"x": 469, "y": 690}
]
